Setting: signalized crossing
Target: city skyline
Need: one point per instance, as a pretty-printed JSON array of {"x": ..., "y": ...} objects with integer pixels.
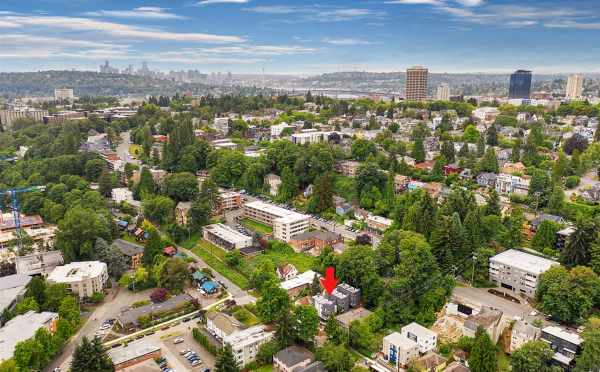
[{"x": 294, "y": 37}]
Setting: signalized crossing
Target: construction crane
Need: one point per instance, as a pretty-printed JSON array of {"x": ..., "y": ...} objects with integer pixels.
[{"x": 16, "y": 210}]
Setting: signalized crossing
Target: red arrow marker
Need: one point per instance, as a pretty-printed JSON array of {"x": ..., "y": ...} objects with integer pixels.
[{"x": 330, "y": 281}]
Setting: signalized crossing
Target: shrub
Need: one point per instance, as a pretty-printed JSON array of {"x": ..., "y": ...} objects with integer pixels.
[
  {"x": 159, "y": 295},
  {"x": 97, "y": 297},
  {"x": 572, "y": 181},
  {"x": 204, "y": 341}
]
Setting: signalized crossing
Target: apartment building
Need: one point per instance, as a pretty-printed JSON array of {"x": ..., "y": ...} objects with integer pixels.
[
  {"x": 416, "y": 83},
  {"x": 226, "y": 237},
  {"x": 23, "y": 327},
  {"x": 425, "y": 338},
  {"x": 348, "y": 168},
  {"x": 518, "y": 271},
  {"x": 285, "y": 223},
  {"x": 228, "y": 201},
  {"x": 566, "y": 345},
  {"x": 221, "y": 125},
  {"x": 508, "y": 184},
  {"x": 7, "y": 117},
  {"x": 82, "y": 278},
  {"x": 378, "y": 224},
  {"x": 399, "y": 351},
  {"x": 246, "y": 343}
]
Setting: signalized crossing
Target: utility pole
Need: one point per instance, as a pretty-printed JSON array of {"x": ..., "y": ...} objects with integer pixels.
[{"x": 473, "y": 270}]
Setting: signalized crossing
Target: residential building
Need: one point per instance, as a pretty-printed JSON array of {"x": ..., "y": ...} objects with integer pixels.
[
  {"x": 64, "y": 94},
  {"x": 535, "y": 223},
  {"x": 285, "y": 223},
  {"x": 352, "y": 293},
  {"x": 297, "y": 284},
  {"x": 314, "y": 240},
  {"x": 7, "y": 222},
  {"x": 522, "y": 332},
  {"x": 486, "y": 115},
  {"x": 520, "y": 85},
  {"x": 222, "y": 325},
  {"x": 273, "y": 181},
  {"x": 566, "y": 345},
  {"x": 574, "y": 86},
  {"x": 456, "y": 366},
  {"x": 182, "y": 211},
  {"x": 129, "y": 319},
  {"x": 133, "y": 253},
  {"x": 508, "y": 184},
  {"x": 400, "y": 183},
  {"x": 286, "y": 272},
  {"x": 443, "y": 92},
  {"x": 378, "y": 225},
  {"x": 292, "y": 359},
  {"x": 228, "y": 201},
  {"x": 82, "y": 278},
  {"x": 226, "y": 237},
  {"x": 40, "y": 263},
  {"x": 488, "y": 319},
  {"x": 518, "y": 271},
  {"x": 308, "y": 137},
  {"x": 416, "y": 83},
  {"x": 221, "y": 125},
  {"x": 487, "y": 180},
  {"x": 348, "y": 168},
  {"x": 12, "y": 290},
  {"x": 23, "y": 327},
  {"x": 399, "y": 351},
  {"x": 7, "y": 117},
  {"x": 277, "y": 129},
  {"x": 136, "y": 352},
  {"x": 425, "y": 338},
  {"x": 325, "y": 307},
  {"x": 246, "y": 343}
]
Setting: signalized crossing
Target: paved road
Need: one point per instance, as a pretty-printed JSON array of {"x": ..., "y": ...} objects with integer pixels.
[
  {"x": 123, "y": 149},
  {"x": 482, "y": 296}
]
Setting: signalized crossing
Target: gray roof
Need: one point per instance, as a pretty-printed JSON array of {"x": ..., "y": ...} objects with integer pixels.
[
  {"x": 352, "y": 315},
  {"x": 127, "y": 248},
  {"x": 292, "y": 355},
  {"x": 316, "y": 234},
  {"x": 131, "y": 316},
  {"x": 316, "y": 366},
  {"x": 133, "y": 350},
  {"x": 11, "y": 287}
]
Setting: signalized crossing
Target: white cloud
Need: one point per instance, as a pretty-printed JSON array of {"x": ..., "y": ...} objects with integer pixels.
[
  {"x": 146, "y": 12},
  {"x": 317, "y": 13},
  {"x": 210, "y": 2},
  {"x": 345, "y": 41},
  {"x": 416, "y": 2},
  {"x": 470, "y": 2},
  {"x": 574, "y": 25},
  {"x": 116, "y": 29}
]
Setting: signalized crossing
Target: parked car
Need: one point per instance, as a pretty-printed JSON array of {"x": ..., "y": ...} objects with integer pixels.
[{"x": 178, "y": 340}]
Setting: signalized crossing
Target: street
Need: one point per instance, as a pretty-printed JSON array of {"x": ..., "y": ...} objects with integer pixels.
[{"x": 123, "y": 149}]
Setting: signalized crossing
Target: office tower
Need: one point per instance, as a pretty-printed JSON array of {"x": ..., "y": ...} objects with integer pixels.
[
  {"x": 574, "y": 86},
  {"x": 443, "y": 92},
  {"x": 416, "y": 83},
  {"x": 63, "y": 94},
  {"x": 520, "y": 84}
]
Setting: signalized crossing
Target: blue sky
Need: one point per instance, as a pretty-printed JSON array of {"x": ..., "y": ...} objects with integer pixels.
[{"x": 302, "y": 37}]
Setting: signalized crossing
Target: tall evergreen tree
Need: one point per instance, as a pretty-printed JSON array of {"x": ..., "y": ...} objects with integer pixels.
[
  {"x": 90, "y": 356},
  {"x": 483, "y": 354},
  {"x": 448, "y": 151},
  {"x": 225, "y": 360},
  {"x": 418, "y": 151},
  {"x": 105, "y": 183},
  {"x": 576, "y": 251}
]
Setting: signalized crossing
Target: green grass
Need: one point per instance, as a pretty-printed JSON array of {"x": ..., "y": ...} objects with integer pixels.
[
  {"x": 191, "y": 241},
  {"x": 210, "y": 254},
  {"x": 281, "y": 254},
  {"x": 267, "y": 368},
  {"x": 257, "y": 226},
  {"x": 246, "y": 317}
]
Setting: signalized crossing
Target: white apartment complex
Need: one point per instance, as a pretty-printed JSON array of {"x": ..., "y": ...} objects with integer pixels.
[
  {"x": 443, "y": 92},
  {"x": 399, "y": 351},
  {"x": 518, "y": 271},
  {"x": 278, "y": 128},
  {"x": 285, "y": 223},
  {"x": 246, "y": 343},
  {"x": 83, "y": 278},
  {"x": 425, "y": 338},
  {"x": 63, "y": 94},
  {"x": 574, "y": 86},
  {"x": 221, "y": 125},
  {"x": 7, "y": 117},
  {"x": 226, "y": 237},
  {"x": 508, "y": 184}
]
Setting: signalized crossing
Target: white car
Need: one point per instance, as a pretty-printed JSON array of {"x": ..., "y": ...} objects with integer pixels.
[{"x": 178, "y": 340}]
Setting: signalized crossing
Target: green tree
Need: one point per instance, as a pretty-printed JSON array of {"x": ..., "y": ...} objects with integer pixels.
[
  {"x": 226, "y": 361},
  {"x": 54, "y": 294},
  {"x": 105, "y": 183},
  {"x": 576, "y": 251},
  {"x": 90, "y": 356},
  {"x": 362, "y": 148},
  {"x": 27, "y": 304},
  {"x": 448, "y": 151},
  {"x": 146, "y": 184},
  {"x": 335, "y": 333},
  {"x": 69, "y": 310},
  {"x": 173, "y": 275},
  {"x": 483, "y": 355},
  {"x": 78, "y": 231},
  {"x": 322, "y": 198},
  {"x": 533, "y": 356},
  {"x": 491, "y": 136},
  {"x": 418, "y": 150},
  {"x": 489, "y": 162},
  {"x": 158, "y": 209},
  {"x": 306, "y": 323},
  {"x": 93, "y": 169},
  {"x": 545, "y": 236},
  {"x": 181, "y": 186},
  {"x": 335, "y": 358},
  {"x": 36, "y": 289},
  {"x": 112, "y": 256},
  {"x": 153, "y": 248},
  {"x": 471, "y": 134},
  {"x": 289, "y": 185},
  {"x": 273, "y": 302},
  {"x": 589, "y": 360},
  {"x": 492, "y": 206}
]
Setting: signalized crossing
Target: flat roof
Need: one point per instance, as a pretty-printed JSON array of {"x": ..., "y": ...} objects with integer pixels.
[
  {"x": 247, "y": 336},
  {"x": 561, "y": 333},
  {"x": 352, "y": 315},
  {"x": 21, "y": 328},
  {"x": 305, "y": 278},
  {"x": 418, "y": 330},
  {"x": 134, "y": 349},
  {"x": 11, "y": 287},
  {"x": 276, "y": 211},
  {"x": 227, "y": 233},
  {"x": 524, "y": 261},
  {"x": 397, "y": 339},
  {"x": 77, "y": 271}
]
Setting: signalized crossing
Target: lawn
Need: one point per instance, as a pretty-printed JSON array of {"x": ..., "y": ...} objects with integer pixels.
[
  {"x": 266, "y": 368},
  {"x": 190, "y": 242},
  {"x": 257, "y": 226},
  {"x": 213, "y": 257},
  {"x": 281, "y": 254},
  {"x": 246, "y": 317}
]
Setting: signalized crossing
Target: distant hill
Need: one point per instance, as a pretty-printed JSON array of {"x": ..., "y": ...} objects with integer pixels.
[{"x": 84, "y": 83}]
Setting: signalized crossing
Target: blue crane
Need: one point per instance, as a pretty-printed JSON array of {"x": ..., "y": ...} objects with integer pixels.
[{"x": 14, "y": 206}]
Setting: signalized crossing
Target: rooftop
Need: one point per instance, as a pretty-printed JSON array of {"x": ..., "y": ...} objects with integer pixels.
[
  {"x": 11, "y": 287},
  {"x": 39, "y": 263},
  {"x": 418, "y": 330},
  {"x": 247, "y": 336},
  {"x": 227, "y": 233},
  {"x": 352, "y": 315},
  {"x": 561, "y": 333},
  {"x": 226, "y": 323},
  {"x": 275, "y": 210},
  {"x": 305, "y": 278},
  {"x": 21, "y": 328},
  {"x": 77, "y": 271},
  {"x": 293, "y": 355},
  {"x": 131, "y": 316},
  {"x": 128, "y": 248},
  {"x": 524, "y": 261},
  {"x": 316, "y": 234},
  {"x": 133, "y": 350},
  {"x": 397, "y": 339}
]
